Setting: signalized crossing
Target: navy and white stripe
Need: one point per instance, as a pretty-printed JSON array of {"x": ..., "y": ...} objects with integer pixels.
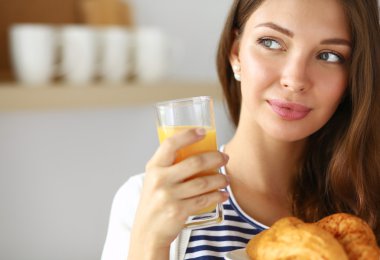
[{"x": 232, "y": 234}]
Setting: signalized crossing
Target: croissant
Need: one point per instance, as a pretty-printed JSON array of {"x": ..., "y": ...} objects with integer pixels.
[
  {"x": 354, "y": 234},
  {"x": 338, "y": 236},
  {"x": 290, "y": 238}
]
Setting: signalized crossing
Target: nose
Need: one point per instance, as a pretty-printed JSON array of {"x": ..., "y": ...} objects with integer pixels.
[{"x": 295, "y": 74}]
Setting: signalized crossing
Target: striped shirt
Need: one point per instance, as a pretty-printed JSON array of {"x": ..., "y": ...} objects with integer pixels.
[{"x": 232, "y": 234}]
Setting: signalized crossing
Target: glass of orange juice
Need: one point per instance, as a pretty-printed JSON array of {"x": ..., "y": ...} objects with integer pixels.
[{"x": 177, "y": 115}]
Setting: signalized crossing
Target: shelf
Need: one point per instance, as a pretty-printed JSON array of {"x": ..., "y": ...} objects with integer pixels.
[{"x": 15, "y": 97}]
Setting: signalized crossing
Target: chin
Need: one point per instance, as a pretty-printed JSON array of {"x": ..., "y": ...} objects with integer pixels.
[
  {"x": 289, "y": 138},
  {"x": 288, "y": 134}
]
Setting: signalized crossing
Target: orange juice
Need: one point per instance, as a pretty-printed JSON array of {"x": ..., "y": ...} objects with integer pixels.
[{"x": 207, "y": 144}]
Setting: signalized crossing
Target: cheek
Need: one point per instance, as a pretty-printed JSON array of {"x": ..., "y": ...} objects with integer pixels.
[
  {"x": 332, "y": 88},
  {"x": 257, "y": 72}
]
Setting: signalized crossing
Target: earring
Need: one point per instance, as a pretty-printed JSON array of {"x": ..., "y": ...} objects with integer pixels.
[
  {"x": 237, "y": 77},
  {"x": 236, "y": 69}
]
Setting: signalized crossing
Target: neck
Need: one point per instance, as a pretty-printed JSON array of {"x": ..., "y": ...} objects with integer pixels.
[{"x": 267, "y": 165}]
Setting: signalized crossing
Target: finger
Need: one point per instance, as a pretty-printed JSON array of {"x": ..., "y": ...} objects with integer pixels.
[
  {"x": 200, "y": 163},
  {"x": 198, "y": 203},
  {"x": 166, "y": 153},
  {"x": 200, "y": 185}
]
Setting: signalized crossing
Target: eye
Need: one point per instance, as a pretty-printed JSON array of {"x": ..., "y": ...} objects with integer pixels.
[
  {"x": 270, "y": 43},
  {"x": 331, "y": 57}
]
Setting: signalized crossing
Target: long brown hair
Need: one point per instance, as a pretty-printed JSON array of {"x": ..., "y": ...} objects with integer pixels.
[{"x": 341, "y": 167}]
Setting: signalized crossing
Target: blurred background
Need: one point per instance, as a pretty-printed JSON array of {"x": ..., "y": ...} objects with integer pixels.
[{"x": 68, "y": 143}]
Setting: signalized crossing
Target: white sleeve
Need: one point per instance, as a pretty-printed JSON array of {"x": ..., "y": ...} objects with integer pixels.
[{"x": 122, "y": 215}]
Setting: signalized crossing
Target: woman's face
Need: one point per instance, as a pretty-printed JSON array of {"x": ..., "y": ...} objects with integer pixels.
[{"x": 294, "y": 58}]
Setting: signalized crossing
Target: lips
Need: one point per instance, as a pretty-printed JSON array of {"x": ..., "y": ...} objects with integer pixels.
[{"x": 287, "y": 110}]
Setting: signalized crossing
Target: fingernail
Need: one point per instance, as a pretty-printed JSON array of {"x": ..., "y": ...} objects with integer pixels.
[
  {"x": 225, "y": 194},
  {"x": 228, "y": 179},
  {"x": 200, "y": 131}
]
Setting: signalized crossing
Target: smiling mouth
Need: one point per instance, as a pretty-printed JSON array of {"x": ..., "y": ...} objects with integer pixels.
[{"x": 289, "y": 111}]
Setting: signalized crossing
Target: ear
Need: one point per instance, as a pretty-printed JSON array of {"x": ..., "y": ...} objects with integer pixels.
[{"x": 234, "y": 53}]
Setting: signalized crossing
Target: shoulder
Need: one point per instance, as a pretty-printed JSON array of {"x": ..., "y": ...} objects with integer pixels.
[
  {"x": 132, "y": 186},
  {"x": 126, "y": 200},
  {"x": 122, "y": 215},
  {"x": 127, "y": 197}
]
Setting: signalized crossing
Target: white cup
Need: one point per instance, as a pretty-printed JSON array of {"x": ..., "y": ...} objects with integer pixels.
[
  {"x": 115, "y": 54},
  {"x": 33, "y": 52},
  {"x": 79, "y": 53},
  {"x": 152, "y": 54}
]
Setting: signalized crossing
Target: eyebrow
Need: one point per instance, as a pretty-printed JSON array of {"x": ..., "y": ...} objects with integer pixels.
[
  {"x": 337, "y": 41},
  {"x": 277, "y": 28}
]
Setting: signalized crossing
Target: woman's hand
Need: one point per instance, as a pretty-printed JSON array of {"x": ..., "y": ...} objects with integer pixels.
[{"x": 169, "y": 197}]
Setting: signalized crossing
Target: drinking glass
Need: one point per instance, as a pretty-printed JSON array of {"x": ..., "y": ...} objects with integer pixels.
[
  {"x": 79, "y": 51},
  {"x": 174, "y": 116},
  {"x": 33, "y": 52},
  {"x": 115, "y": 54}
]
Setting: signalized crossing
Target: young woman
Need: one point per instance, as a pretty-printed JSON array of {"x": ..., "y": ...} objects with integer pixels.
[{"x": 301, "y": 80}]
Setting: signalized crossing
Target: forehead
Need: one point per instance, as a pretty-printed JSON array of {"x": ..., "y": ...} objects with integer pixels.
[{"x": 326, "y": 17}]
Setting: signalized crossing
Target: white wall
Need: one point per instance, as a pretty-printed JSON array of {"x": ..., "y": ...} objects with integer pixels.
[{"x": 60, "y": 169}]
